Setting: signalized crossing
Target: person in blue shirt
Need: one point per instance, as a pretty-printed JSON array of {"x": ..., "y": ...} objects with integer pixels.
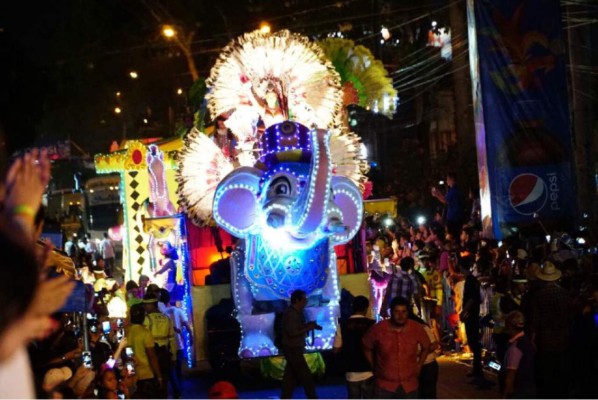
[{"x": 453, "y": 202}]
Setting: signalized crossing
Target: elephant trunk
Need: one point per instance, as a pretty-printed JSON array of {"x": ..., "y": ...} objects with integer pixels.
[{"x": 311, "y": 207}]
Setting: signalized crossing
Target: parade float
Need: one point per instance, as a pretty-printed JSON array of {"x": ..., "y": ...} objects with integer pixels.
[
  {"x": 151, "y": 219},
  {"x": 285, "y": 185}
]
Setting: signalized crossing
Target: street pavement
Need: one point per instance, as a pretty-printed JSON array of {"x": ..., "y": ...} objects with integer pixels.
[{"x": 452, "y": 382}]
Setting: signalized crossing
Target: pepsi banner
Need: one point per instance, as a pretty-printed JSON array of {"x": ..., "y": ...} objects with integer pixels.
[{"x": 521, "y": 111}]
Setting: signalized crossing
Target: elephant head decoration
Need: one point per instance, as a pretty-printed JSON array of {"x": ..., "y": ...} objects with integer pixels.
[{"x": 291, "y": 210}]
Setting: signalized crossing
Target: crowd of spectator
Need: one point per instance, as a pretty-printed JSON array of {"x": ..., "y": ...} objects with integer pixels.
[
  {"x": 527, "y": 307},
  {"x": 69, "y": 326}
]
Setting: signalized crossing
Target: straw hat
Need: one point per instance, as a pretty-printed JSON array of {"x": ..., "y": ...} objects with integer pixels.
[{"x": 548, "y": 272}]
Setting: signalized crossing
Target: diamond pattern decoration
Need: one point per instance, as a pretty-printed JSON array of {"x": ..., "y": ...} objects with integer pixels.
[{"x": 135, "y": 204}]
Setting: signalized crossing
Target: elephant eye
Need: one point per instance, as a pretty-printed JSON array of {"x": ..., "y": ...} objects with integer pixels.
[{"x": 280, "y": 187}]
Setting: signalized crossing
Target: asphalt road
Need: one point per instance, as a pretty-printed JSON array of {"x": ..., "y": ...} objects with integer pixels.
[{"x": 452, "y": 382}]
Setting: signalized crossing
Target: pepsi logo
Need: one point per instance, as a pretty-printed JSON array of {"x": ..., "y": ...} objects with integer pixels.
[{"x": 528, "y": 193}]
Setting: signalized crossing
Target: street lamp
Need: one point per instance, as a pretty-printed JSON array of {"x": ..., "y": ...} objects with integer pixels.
[
  {"x": 133, "y": 74},
  {"x": 117, "y": 110},
  {"x": 385, "y": 33},
  {"x": 184, "y": 42},
  {"x": 265, "y": 28},
  {"x": 168, "y": 31},
  {"x": 179, "y": 91}
]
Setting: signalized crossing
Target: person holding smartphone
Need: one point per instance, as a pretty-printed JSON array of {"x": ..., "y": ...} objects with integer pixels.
[
  {"x": 453, "y": 202},
  {"x": 100, "y": 350},
  {"x": 141, "y": 341}
]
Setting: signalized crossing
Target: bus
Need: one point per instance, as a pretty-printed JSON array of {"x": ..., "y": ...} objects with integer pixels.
[{"x": 103, "y": 209}]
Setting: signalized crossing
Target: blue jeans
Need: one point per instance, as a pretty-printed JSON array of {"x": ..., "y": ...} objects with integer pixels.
[{"x": 361, "y": 389}]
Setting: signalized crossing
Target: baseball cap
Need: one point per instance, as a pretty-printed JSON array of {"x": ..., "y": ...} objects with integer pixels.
[{"x": 150, "y": 298}]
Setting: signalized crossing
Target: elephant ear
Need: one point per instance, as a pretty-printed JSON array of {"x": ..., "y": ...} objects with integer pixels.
[
  {"x": 347, "y": 199},
  {"x": 236, "y": 207}
]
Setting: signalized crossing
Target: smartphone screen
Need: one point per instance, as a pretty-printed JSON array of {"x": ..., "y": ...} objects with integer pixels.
[
  {"x": 106, "y": 327},
  {"x": 86, "y": 358},
  {"x": 129, "y": 352},
  {"x": 130, "y": 367},
  {"x": 494, "y": 365},
  {"x": 119, "y": 323}
]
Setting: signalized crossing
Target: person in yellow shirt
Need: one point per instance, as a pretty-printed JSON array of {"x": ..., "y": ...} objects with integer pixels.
[
  {"x": 147, "y": 368},
  {"x": 162, "y": 330},
  {"x": 434, "y": 291}
]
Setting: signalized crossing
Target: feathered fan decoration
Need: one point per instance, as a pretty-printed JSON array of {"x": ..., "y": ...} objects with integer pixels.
[
  {"x": 272, "y": 77},
  {"x": 364, "y": 79},
  {"x": 202, "y": 165},
  {"x": 275, "y": 77},
  {"x": 347, "y": 156}
]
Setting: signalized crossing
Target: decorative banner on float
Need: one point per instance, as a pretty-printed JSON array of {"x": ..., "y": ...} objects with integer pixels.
[{"x": 521, "y": 114}]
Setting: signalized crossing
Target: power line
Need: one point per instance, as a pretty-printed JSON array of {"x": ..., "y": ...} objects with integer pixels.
[{"x": 411, "y": 20}]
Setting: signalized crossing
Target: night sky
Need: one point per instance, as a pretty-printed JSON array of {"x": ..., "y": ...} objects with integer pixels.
[{"x": 64, "y": 61}]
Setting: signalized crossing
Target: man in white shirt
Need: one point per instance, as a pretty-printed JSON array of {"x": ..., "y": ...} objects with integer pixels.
[
  {"x": 107, "y": 251},
  {"x": 70, "y": 247},
  {"x": 91, "y": 247}
]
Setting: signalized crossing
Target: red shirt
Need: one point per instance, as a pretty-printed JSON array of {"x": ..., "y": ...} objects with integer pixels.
[{"x": 396, "y": 354}]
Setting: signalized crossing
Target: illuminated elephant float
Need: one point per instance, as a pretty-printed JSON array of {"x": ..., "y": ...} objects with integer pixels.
[{"x": 291, "y": 210}]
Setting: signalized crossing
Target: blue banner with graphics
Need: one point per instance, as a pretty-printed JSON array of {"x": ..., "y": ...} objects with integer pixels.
[{"x": 521, "y": 113}]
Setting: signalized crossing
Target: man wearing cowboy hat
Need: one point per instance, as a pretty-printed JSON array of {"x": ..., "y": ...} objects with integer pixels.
[{"x": 550, "y": 323}]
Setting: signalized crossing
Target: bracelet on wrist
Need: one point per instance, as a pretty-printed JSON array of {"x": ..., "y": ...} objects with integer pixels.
[{"x": 24, "y": 209}]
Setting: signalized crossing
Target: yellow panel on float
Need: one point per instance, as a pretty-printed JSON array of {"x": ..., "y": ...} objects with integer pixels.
[
  {"x": 381, "y": 206},
  {"x": 131, "y": 163}
]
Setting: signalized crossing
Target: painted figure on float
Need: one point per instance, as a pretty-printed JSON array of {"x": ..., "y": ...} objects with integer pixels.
[{"x": 158, "y": 221}]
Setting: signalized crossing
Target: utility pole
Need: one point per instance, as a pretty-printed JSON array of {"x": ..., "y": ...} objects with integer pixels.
[
  {"x": 579, "y": 39},
  {"x": 184, "y": 42}
]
